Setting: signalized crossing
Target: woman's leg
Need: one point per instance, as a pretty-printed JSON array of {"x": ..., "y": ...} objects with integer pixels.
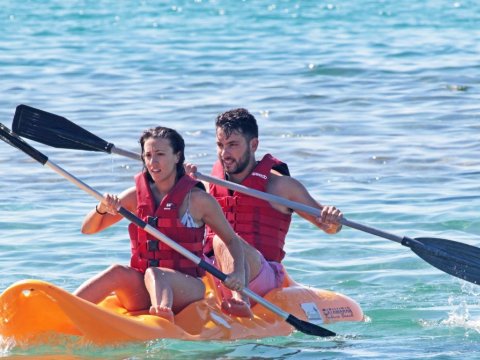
[
  {"x": 127, "y": 283},
  {"x": 170, "y": 291}
]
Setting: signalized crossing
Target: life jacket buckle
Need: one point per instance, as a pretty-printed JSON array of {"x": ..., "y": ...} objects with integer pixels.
[
  {"x": 152, "y": 221},
  {"x": 152, "y": 245},
  {"x": 153, "y": 262}
]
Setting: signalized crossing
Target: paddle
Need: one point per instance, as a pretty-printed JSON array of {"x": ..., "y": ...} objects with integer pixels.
[
  {"x": 454, "y": 258},
  {"x": 301, "y": 325},
  {"x": 59, "y": 132}
]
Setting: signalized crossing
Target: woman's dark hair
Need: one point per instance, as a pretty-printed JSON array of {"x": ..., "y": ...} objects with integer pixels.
[{"x": 176, "y": 142}]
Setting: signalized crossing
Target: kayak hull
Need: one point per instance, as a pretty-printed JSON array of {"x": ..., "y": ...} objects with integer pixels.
[{"x": 37, "y": 312}]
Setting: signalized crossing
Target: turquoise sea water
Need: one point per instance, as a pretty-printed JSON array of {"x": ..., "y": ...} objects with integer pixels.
[{"x": 374, "y": 105}]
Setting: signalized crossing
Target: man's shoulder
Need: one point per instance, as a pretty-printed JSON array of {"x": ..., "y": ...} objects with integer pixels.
[{"x": 278, "y": 184}]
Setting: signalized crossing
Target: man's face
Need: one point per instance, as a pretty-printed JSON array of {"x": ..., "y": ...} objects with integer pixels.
[{"x": 234, "y": 152}]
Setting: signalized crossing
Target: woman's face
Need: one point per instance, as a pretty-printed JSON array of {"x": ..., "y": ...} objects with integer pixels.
[{"x": 159, "y": 158}]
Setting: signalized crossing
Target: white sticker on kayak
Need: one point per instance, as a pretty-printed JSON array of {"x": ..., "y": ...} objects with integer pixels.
[{"x": 312, "y": 312}]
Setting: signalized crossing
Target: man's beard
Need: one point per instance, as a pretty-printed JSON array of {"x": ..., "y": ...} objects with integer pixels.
[{"x": 241, "y": 164}]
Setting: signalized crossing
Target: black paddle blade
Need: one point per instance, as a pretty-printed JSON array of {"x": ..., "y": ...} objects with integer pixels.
[
  {"x": 308, "y": 328},
  {"x": 14, "y": 140},
  {"x": 55, "y": 130},
  {"x": 454, "y": 258}
]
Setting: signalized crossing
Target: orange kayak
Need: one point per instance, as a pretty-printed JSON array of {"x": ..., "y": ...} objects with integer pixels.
[{"x": 37, "y": 312}]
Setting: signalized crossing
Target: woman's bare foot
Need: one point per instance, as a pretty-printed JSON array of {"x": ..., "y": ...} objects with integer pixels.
[
  {"x": 163, "y": 312},
  {"x": 236, "y": 307}
]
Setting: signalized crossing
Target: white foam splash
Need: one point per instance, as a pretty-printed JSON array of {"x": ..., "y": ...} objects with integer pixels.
[
  {"x": 6, "y": 345},
  {"x": 460, "y": 316}
]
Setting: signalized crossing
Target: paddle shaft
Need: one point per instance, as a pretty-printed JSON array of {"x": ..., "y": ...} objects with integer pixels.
[
  {"x": 159, "y": 235},
  {"x": 301, "y": 325},
  {"x": 293, "y": 205},
  {"x": 125, "y": 153},
  {"x": 272, "y": 198}
]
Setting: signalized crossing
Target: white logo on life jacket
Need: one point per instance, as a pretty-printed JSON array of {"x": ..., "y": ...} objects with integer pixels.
[
  {"x": 264, "y": 177},
  {"x": 168, "y": 206}
]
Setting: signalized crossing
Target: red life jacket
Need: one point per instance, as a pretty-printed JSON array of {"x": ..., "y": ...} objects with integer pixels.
[
  {"x": 255, "y": 220},
  {"x": 146, "y": 249}
]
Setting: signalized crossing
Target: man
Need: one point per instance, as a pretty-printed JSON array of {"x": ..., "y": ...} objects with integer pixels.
[{"x": 261, "y": 224}]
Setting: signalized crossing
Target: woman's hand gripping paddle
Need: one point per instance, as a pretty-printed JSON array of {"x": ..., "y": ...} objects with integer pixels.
[{"x": 301, "y": 325}]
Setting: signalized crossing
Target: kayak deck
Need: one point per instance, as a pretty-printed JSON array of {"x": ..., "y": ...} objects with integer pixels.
[{"x": 35, "y": 312}]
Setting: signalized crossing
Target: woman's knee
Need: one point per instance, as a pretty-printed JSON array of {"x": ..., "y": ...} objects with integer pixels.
[
  {"x": 118, "y": 270},
  {"x": 122, "y": 273},
  {"x": 153, "y": 272},
  {"x": 156, "y": 275}
]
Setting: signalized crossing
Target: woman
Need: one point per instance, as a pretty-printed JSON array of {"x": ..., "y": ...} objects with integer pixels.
[{"x": 158, "y": 277}]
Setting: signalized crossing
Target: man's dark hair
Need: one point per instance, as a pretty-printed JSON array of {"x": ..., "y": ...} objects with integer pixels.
[{"x": 239, "y": 120}]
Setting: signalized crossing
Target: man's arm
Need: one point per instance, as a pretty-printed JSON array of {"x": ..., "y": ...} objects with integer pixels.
[{"x": 292, "y": 189}]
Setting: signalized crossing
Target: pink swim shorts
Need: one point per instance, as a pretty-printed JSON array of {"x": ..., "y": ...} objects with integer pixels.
[{"x": 270, "y": 276}]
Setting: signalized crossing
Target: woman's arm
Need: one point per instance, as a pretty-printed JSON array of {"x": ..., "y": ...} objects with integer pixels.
[
  {"x": 105, "y": 213},
  {"x": 212, "y": 215}
]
